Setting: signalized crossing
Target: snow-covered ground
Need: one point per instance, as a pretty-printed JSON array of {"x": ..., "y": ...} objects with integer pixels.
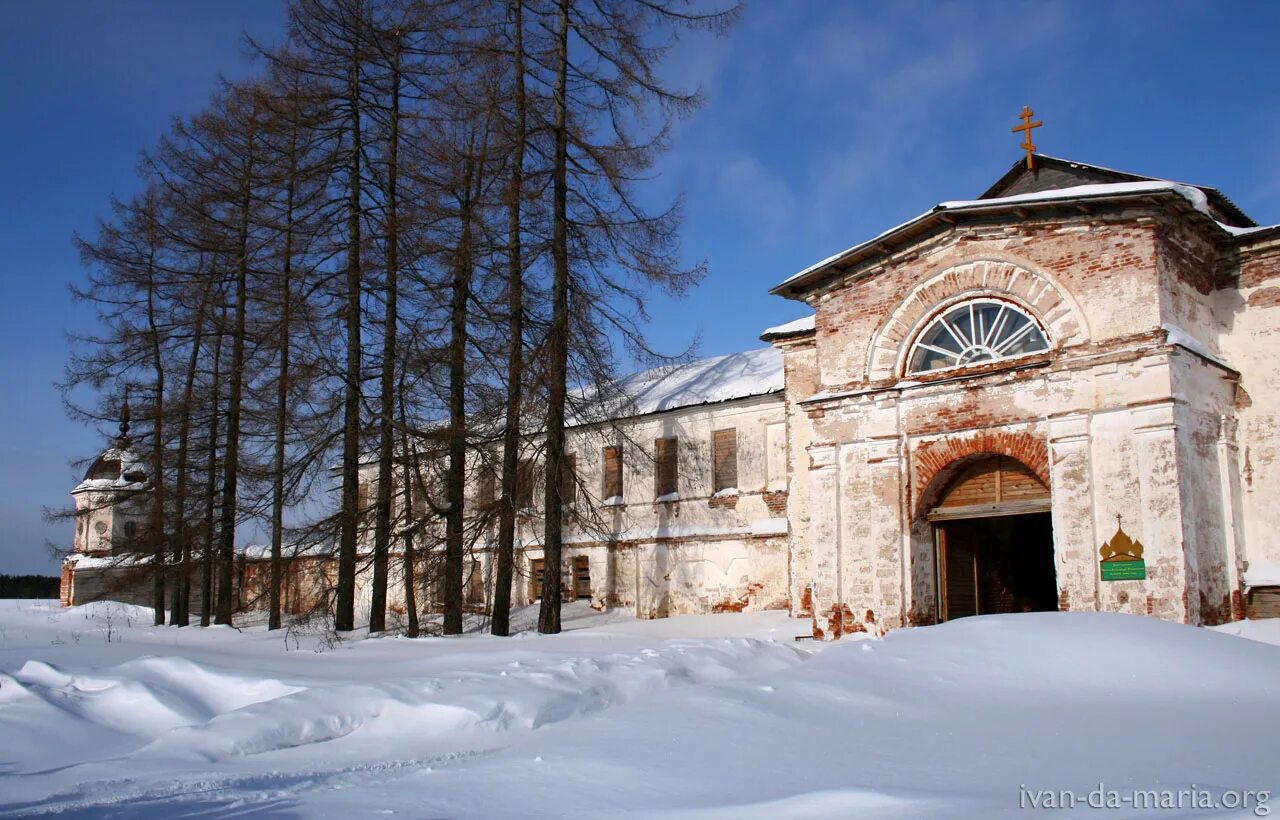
[{"x": 722, "y": 716}]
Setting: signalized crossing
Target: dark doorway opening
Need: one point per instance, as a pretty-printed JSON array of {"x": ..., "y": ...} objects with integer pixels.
[{"x": 997, "y": 564}]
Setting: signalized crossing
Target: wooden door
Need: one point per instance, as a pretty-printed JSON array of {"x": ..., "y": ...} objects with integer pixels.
[
  {"x": 581, "y": 577},
  {"x": 958, "y": 576},
  {"x": 536, "y": 567}
]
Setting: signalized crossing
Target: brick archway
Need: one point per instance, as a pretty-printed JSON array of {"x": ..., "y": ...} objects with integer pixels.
[
  {"x": 1034, "y": 291},
  {"x": 934, "y": 462}
]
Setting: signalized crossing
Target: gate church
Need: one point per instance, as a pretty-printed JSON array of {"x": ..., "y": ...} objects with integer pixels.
[{"x": 987, "y": 401}]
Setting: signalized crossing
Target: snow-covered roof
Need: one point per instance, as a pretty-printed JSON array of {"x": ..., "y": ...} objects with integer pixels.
[
  {"x": 708, "y": 381},
  {"x": 1223, "y": 208},
  {"x": 262, "y": 552},
  {"x": 793, "y": 328},
  {"x": 1192, "y": 194},
  {"x": 81, "y": 560},
  {"x": 118, "y": 467},
  {"x": 1237, "y": 231}
]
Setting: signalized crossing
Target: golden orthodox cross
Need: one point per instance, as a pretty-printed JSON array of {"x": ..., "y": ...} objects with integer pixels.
[{"x": 1026, "y": 127}]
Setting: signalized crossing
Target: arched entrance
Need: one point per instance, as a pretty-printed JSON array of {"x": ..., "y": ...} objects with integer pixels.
[{"x": 993, "y": 537}]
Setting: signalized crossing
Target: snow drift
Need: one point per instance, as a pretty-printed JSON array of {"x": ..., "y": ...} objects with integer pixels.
[{"x": 640, "y": 719}]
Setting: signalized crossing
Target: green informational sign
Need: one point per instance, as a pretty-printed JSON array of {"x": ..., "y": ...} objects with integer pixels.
[{"x": 1124, "y": 570}]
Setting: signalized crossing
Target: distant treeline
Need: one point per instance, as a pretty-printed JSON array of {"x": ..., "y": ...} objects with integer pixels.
[{"x": 28, "y": 586}]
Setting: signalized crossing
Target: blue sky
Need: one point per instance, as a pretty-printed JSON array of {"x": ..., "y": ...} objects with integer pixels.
[{"x": 824, "y": 124}]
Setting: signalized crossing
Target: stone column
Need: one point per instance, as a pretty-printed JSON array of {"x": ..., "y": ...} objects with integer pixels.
[
  {"x": 888, "y": 545},
  {"x": 1159, "y": 514},
  {"x": 1075, "y": 542},
  {"x": 1233, "y": 513},
  {"x": 824, "y": 542}
]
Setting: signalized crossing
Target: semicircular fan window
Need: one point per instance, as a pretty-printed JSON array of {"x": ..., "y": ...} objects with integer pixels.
[{"x": 981, "y": 330}]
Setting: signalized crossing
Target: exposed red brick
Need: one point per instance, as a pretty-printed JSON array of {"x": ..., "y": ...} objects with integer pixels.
[
  {"x": 932, "y": 457},
  {"x": 722, "y": 502},
  {"x": 1265, "y": 297},
  {"x": 738, "y": 604},
  {"x": 776, "y": 501}
]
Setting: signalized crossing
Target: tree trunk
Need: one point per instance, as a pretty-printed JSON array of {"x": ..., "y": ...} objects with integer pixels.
[
  {"x": 180, "y": 615},
  {"x": 557, "y": 340},
  {"x": 501, "y": 624},
  {"x": 382, "y": 522},
  {"x": 155, "y": 528},
  {"x": 344, "y": 611},
  {"x": 282, "y": 399},
  {"x": 282, "y": 417},
  {"x": 231, "y": 459},
  {"x": 457, "y": 473},
  {"x": 211, "y": 480},
  {"x": 408, "y": 483}
]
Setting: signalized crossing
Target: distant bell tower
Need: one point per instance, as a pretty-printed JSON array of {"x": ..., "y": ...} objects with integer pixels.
[
  {"x": 111, "y": 514},
  {"x": 111, "y": 501}
]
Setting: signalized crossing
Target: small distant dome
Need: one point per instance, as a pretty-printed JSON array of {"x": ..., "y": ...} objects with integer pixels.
[
  {"x": 119, "y": 462},
  {"x": 105, "y": 466},
  {"x": 116, "y": 464}
]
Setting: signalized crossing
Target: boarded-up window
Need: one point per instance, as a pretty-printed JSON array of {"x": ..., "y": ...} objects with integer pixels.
[
  {"x": 569, "y": 479},
  {"x": 418, "y": 494},
  {"x": 613, "y": 472},
  {"x": 665, "y": 473},
  {"x": 724, "y": 459},
  {"x": 488, "y": 487},
  {"x": 536, "y": 567},
  {"x": 776, "y": 460},
  {"x": 437, "y": 589},
  {"x": 524, "y": 484},
  {"x": 364, "y": 496}
]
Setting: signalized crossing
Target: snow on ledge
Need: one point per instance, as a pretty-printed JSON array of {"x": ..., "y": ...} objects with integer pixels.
[
  {"x": 1177, "y": 336},
  {"x": 803, "y": 325},
  {"x": 769, "y": 526},
  {"x": 1262, "y": 574}
]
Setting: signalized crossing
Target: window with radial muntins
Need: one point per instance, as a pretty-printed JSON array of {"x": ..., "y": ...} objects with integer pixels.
[{"x": 978, "y": 331}]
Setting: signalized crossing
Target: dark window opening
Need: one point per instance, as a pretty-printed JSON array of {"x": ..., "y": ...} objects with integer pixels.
[
  {"x": 524, "y": 484},
  {"x": 569, "y": 480},
  {"x": 665, "y": 474},
  {"x": 613, "y": 472},
  {"x": 475, "y": 585},
  {"x": 488, "y": 488}
]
